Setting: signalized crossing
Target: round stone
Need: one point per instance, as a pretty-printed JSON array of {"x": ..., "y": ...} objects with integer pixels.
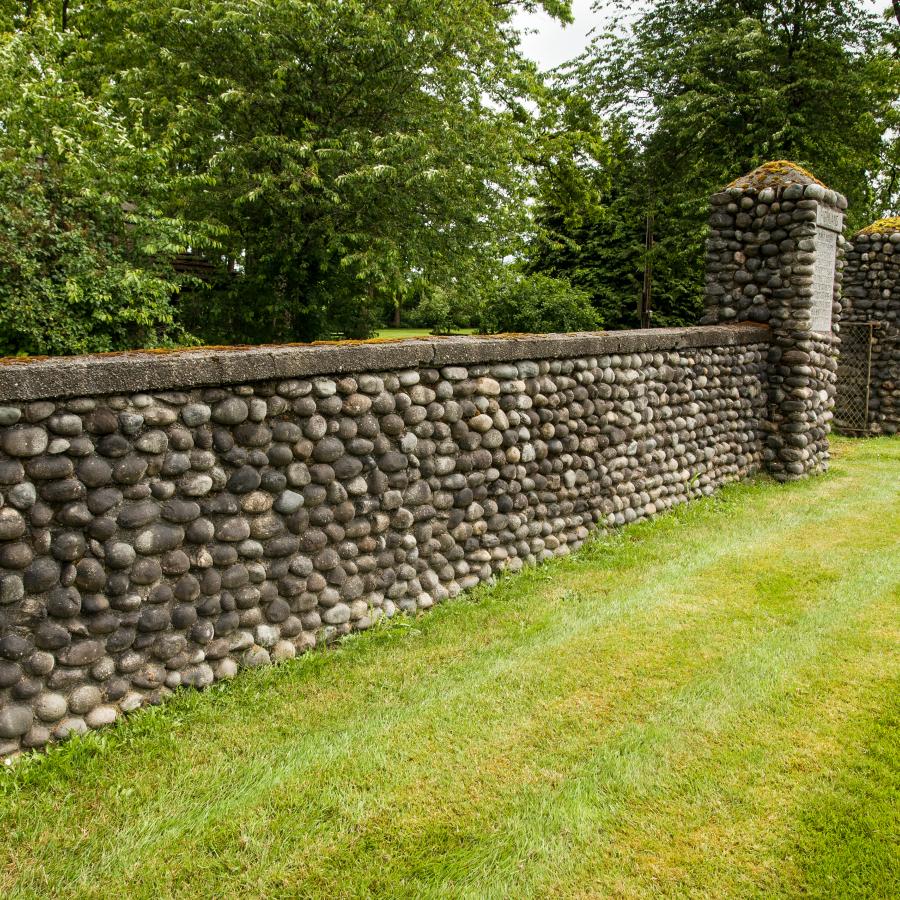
[
  {"x": 120, "y": 555},
  {"x": 50, "y": 707},
  {"x": 288, "y": 502},
  {"x": 11, "y": 589},
  {"x": 232, "y": 411},
  {"x": 101, "y": 716},
  {"x": 22, "y": 496},
  {"x": 12, "y": 525},
  {"x": 69, "y": 727},
  {"x": 255, "y": 656},
  {"x": 9, "y": 415},
  {"x": 24, "y": 441},
  {"x": 195, "y": 414},
  {"x": 337, "y": 615},
  {"x": 159, "y": 538},
  {"x": 15, "y": 721}
]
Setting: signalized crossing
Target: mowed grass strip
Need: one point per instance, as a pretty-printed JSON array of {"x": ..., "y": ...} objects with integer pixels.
[{"x": 704, "y": 705}]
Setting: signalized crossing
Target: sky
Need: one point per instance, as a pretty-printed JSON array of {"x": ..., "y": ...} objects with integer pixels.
[{"x": 551, "y": 43}]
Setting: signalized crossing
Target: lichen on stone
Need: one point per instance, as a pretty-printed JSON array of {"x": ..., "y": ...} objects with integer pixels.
[{"x": 776, "y": 174}]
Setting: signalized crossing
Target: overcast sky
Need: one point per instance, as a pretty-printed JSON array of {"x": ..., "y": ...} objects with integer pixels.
[{"x": 551, "y": 43}]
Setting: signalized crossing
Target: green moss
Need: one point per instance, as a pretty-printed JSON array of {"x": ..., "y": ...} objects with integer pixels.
[{"x": 890, "y": 225}]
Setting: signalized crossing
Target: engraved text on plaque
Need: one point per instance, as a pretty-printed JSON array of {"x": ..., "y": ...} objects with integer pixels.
[{"x": 829, "y": 223}]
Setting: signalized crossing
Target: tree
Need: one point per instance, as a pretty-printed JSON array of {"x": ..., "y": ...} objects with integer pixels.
[
  {"x": 341, "y": 145},
  {"x": 85, "y": 253},
  {"x": 710, "y": 90}
]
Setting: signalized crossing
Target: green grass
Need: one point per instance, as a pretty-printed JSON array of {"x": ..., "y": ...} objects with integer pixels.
[
  {"x": 702, "y": 706},
  {"x": 413, "y": 332}
]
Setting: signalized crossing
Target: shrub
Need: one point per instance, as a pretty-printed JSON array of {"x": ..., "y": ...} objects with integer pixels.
[{"x": 537, "y": 304}]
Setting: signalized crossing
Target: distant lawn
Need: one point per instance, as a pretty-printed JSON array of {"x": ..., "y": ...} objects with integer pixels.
[
  {"x": 413, "y": 332},
  {"x": 702, "y": 706}
]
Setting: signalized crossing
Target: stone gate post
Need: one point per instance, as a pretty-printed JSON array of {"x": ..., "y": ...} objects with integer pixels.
[
  {"x": 774, "y": 256},
  {"x": 872, "y": 305}
]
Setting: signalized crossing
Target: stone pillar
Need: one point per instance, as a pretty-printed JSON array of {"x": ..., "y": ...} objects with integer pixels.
[
  {"x": 774, "y": 256},
  {"x": 872, "y": 301}
]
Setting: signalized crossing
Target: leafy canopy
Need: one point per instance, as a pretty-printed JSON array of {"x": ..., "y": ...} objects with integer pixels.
[
  {"x": 345, "y": 147},
  {"x": 84, "y": 249}
]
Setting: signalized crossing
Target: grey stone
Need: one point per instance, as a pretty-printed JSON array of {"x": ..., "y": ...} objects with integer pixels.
[
  {"x": 22, "y": 496},
  {"x": 255, "y": 657},
  {"x": 195, "y": 414},
  {"x": 337, "y": 615},
  {"x": 15, "y": 720},
  {"x": 231, "y": 411},
  {"x": 24, "y": 441},
  {"x": 50, "y": 707},
  {"x": 158, "y": 538}
]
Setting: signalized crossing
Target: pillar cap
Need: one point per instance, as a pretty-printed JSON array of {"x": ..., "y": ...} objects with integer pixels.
[{"x": 777, "y": 174}]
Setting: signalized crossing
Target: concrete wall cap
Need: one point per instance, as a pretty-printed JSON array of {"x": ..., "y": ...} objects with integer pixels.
[{"x": 135, "y": 371}]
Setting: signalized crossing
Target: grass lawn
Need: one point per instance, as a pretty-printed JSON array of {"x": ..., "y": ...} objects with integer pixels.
[
  {"x": 413, "y": 332},
  {"x": 706, "y": 706}
]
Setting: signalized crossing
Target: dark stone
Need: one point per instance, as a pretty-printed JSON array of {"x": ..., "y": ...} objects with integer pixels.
[
  {"x": 393, "y": 461},
  {"x": 81, "y": 654},
  {"x": 48, "y": 468},
  {"x": 103, "y": 500},
  {"x": 23, "y": 441},
  {"x": 101, "y": 421},
  {"x": 14, "y": 647},
  {"x": 41, "y": 575},
  {"x": 68, "y": 545},
  {"x": 113, "y": 446},
  {"x": 180, "y": 511},
  {"x": 15, "y": 721},
  {"x": 154, "y": 618},
  {"x": 10, "y": 673},
  {"x": 91, "y": 575},
  {"x": 120, "y": 640},
  {"x": 64, "y": 491},
  {"x": 158, "y": 538}
]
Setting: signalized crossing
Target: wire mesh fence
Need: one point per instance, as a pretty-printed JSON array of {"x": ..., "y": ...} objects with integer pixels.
[{"x": 854, "y": 377}]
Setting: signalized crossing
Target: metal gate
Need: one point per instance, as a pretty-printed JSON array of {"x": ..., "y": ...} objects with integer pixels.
[{"x": 854, "y": 378}]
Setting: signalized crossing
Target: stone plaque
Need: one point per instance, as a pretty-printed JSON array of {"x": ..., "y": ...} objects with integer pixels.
[
  {"x": 826, "y": 217},
  {"x": 823, "y": 279}
]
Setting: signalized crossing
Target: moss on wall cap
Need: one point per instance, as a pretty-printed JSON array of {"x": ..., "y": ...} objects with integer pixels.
[
  {"x": 790, "y": 180},
  {"x": 884, "y": 227}
]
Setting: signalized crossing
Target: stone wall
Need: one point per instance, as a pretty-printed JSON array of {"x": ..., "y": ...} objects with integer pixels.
[
  {"x": 871, "y": 305},
  {"x": 775, "y": 255},
  {"x": 168, "y": 518}
]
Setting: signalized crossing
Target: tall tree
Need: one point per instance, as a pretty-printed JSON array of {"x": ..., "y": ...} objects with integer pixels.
[
  {"x": 711, "y": 90},
  {"x": 344, "y": 146}
]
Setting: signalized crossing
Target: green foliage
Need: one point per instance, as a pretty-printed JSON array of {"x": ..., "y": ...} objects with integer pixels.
[
  {"x": 694, "y": 94},
  {"x": 341, "y": 145},
  {"x": 723, "y": 87},
  {"x": 84, "y": 249},
  {"x": 536, "y": 304}
]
